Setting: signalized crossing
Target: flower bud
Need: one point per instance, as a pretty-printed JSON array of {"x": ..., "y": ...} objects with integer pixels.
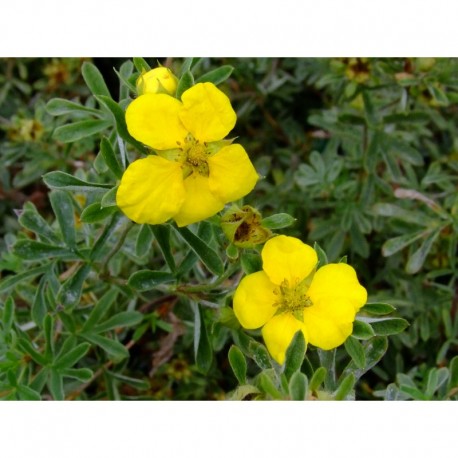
[
  {"x": 159, "y": 80},
  {"x": 242, "y": 226}
]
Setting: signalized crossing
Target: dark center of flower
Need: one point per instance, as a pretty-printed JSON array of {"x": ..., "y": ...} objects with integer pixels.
[{"x": 292, "y": 299}]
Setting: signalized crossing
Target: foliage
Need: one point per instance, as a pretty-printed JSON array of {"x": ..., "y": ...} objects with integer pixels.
[{"x": 358, "y": 156}]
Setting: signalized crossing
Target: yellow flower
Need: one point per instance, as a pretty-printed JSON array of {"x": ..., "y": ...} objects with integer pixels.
[
  {"x": 195, "y": 172},
  {"x": 157, "y": 80},
  {"x": 288, "y": 295}
]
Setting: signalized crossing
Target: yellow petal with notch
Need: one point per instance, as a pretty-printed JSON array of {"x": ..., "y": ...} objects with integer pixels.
[
  {"x": 287, "y": 258},
  {"x": 200, "y": 203},
  {"x": 329, "y": 322},
  {"x": 153, "y": 120},
  {"x": 232, "y": 174},
  {"x": 151, "y": 190},
  {"x": 338, "y": 281},
  {"x": 254, "y": 300},
  {"x": 279, "y": 332},
  {"x": 207, "y": 112}
]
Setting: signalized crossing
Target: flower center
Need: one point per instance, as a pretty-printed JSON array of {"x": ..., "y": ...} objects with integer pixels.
[
  {"x": 196, "y": 156},
  {"x": 292, "y": 299}
]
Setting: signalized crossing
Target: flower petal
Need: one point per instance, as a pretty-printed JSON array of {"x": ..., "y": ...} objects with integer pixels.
[
  {"x": 329, "y": 322},
  {"x": 254, "y": 300},
  {"x": 153, "y": 120},
  {"x": 232, "y": 174},
  {"x": 207, "y": 112},
  {"x": 200, "y": 203},
  {"x": 287, "y": 258},
  {"x": 338, "y": 281},
  {"x": 151, "y": 190},
  {"x": 279, "y": 332}
]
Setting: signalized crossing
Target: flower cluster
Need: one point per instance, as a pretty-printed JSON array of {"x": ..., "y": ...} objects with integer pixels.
[
  {"x": 194, "y": 172},
  {"x": 290, "y": 295}
]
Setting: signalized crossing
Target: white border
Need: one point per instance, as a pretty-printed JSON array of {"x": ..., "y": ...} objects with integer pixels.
[
  {"x": 247, "y": 28},
  {"x": 227, "y": 429}
]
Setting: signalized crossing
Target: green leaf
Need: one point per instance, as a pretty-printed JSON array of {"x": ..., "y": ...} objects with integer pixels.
[
  {"x": 278, "y": 221},
  {"x": 65, "y": 181},
  {"x": 114, "y": 349},
  {"x": 318, "y": 378},
  {"x": 250, "y": 262},
  {"x": 141, "y": 65},
  {"x": 33, "y": 221},
  {"x": 374, "y": 349},
  {"x": 260, "y": 355},
  {"x": 295, "y": 355},
  {"x": 80, "y": 129},
  {"x": 417, "y": 259},
  {"x": 378, "y": 308},
  {"x": 203, "y": 351},
  {"x": 186, "y": 66},
  {"x": 94, "y": 213},
  {"x": 134, "y": 382},
  {"x": 396, "y": 244},
  {"x": 120, "y": 320},
  {"x": 144, "y": 240},
  {"x": 298, "y": 386},
  {"x": 70, "y": 358},
  {"x": 371, "y": 113},
  {"x": 388, "y": 326},
  {"x": 70, "y": 292},
  {"x": 59, "y": 107},
  {"x": 56, "y": 385},
  {"x": 408, "y": 118},
  {"x": 27, "y": 347},
  {"x": 125, "y": 71},
  {"x": 109, "y": 198},
  {"x": 13, "y": 280},
  {"x": 186, "y": 81},
  {"x": 439, "y": 95},
  {"x": 32, "y": 251},
  {"x": 267, "y": 385},
  {"x": 48, "y": 328},
  {"x": 345, "y": 388},
  {"x": 352, "y": 119},
  {"x": 162, "y": 235},
  {"x": 436, "y": 378},
  {"x": 62, "y": 205},
  {"x": 217, "y": 76},
  {"x": 110, "y": 158},
  {"x": 362, "y": 330},
  {"x": 100, "y": 309},
  {"x": 27, "y": 394},
  {"x": 453, "y": 380},
  {"x": 8, "y": 315},
  {"x": 322, "y": 257},
  {"x": 94, "y": 79},
  {"x": 394, "y": 211},
  {"x": 238, "y": 364},
  {"x": 356, "y": 351},
  {"x": 117, "y": 221},
  {"x": 146, "y": 280},
  {"x": 120, "y": 120},
  {"x": 81, "y": 374},
  {"x": 206, "y": 254}
]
